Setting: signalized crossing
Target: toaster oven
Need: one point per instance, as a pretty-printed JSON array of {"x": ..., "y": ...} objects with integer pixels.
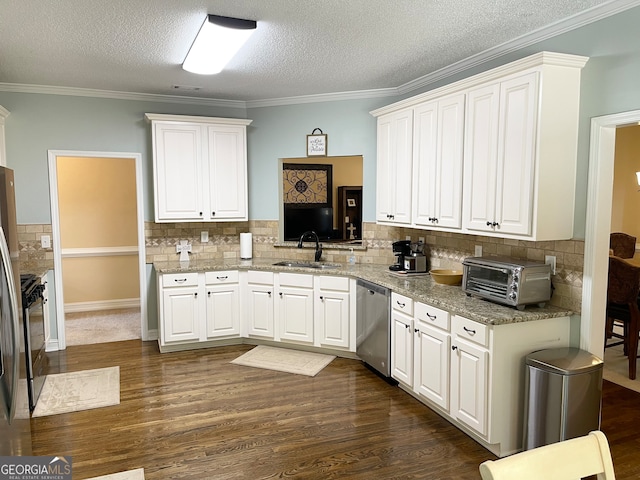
[{"x": 504, "y": 280}]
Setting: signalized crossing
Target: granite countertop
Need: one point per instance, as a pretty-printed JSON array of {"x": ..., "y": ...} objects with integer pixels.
[{"x": 419, "y": 288}]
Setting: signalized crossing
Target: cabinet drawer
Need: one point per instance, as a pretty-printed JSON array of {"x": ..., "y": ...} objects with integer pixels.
[
  {"x": 328, "y": 282},
  {"x": 432, "y": 316},
  {"x": 180, "y": 279},
  {"x": 265, "y": 278},
  {"x": 300, "y": 280},
  {"x": 472, "y": 331},
  {"x": 227, "y": 276},
  {"x": 402, "y": 303}
]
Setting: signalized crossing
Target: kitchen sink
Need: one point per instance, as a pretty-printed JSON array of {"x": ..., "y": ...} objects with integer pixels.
[{"x": 297, "y": 264}]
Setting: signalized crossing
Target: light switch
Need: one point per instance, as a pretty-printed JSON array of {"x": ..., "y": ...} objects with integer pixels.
[
  {"x": 478, "y": 251},
  {"x": 204, "y": 237},
  {"x": 45, "y": 240}
]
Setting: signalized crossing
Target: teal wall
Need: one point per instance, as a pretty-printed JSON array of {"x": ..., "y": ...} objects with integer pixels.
[{"x": 41, "y": 122}]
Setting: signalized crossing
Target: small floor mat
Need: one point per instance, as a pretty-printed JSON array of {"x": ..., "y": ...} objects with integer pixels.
[
  {"x": 284, "y": 360},
  {"x": 137, "y": 474},
  {"x": 74, "y": 391}
]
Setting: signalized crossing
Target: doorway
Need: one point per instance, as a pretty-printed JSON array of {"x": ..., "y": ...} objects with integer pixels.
[
  {"x": 99, "y": 259},
  {"x": 598, "y": 224}
]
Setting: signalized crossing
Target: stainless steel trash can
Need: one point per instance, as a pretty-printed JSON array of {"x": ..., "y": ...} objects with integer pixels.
[{"x": 563, "y": 392}]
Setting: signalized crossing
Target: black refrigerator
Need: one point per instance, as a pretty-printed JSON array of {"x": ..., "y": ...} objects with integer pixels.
[{"x": 15, "y": 429}]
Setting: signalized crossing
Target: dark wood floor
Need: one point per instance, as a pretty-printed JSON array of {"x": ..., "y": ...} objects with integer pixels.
[{"x": 192, "y": 415}]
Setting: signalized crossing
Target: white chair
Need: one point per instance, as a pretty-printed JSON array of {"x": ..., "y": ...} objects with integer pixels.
[{"x": 567, "y": 460}]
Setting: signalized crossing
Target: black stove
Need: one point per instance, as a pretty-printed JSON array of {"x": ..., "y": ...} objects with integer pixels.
[{"x": 31, "y": 288}]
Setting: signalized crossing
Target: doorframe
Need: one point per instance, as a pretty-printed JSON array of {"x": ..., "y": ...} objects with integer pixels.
[
  {"x": 55, "y": 226},
  {"x": 598, "y": 227}
]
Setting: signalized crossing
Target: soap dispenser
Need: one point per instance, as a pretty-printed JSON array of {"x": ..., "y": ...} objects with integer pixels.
[{"x": 352, "y": 257}]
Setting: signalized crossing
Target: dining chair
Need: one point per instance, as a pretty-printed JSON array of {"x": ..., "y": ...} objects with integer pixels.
[
  {"x": 622, "y": 305},
  {"x": 622, "y": 244},
  {"x": 567, "y": 460}
]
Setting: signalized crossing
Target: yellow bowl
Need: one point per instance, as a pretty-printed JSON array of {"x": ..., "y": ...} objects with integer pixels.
[{"x": 446, "y": 277}]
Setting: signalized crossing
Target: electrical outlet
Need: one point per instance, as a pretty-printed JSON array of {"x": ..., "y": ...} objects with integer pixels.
[
  {"x": 204, "y": 237},
  {"x": 45, "y": 241},
  {"x": 478, "y": 251},
  {"x": 551, "y": 260},
  {"x": 408, "y": 237},
  {"x": 421, "y": 239}
]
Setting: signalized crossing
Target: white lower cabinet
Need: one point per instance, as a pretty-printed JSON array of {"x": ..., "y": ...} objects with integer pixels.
[
  {"x": 180, "y": 308},
  {"x": 294, "y": 306},
  {"x": 432, "y": 347},
  {"x": 402, "y": 339},
  {"x": 223, "y": 304},
  {"x": 471, "y": 373},
  {"x": 258, "y": 304},
  {"x": 332, "y": 313},
  {"x": 196, "y": 307}
]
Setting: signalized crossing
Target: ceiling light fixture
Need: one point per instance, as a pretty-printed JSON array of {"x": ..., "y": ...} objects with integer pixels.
[{"x": 217, "y": 42}]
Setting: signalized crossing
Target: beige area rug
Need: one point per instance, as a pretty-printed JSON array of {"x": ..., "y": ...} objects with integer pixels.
[
  {"x": 284, "y": 360},
  {"x": 84, "y": 328},
  {"x": 137, "y": 474},
  {"x": 74, "y": 391},
  {"x": 616, "y": 368}
]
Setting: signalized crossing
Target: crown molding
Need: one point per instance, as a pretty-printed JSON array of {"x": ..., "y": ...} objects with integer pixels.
[
  {"x": 563, "y": 26},
  {"x": 144, "y": 97},
  {"x": 591, "y": 15},
  {"x": 161, "y": 117}
]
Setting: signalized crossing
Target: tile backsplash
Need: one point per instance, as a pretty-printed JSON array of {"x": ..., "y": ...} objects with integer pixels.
[{"x": 445, "y": 250}]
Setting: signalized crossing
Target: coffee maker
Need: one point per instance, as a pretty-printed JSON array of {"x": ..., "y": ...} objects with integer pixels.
[
  {"x": 416, "y": 261},
  {"x": 401, "y": 249}
]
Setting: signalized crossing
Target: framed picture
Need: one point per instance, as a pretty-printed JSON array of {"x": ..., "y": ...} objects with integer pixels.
[
  {"x": 351, "y": 202},
  {"x": 317, "y": 144}
]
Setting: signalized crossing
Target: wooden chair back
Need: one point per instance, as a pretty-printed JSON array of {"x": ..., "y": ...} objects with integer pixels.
[
  {"x": 622, "y": 244},
  {"x": 622, "y": 304},
  {"x": 568, "y": 460}
]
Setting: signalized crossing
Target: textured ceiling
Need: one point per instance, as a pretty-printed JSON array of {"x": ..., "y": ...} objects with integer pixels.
[{"x": 302, "y": 47}]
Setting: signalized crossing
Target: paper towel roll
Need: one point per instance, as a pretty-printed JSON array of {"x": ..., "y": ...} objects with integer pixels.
[{"x": 245, "y": 246}]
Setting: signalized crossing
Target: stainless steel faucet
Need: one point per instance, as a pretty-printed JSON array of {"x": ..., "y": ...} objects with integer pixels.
[{"x": 318, "y": 244}]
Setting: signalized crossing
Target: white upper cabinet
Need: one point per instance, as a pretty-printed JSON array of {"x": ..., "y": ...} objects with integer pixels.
[
  {"x": 394, "y": 171},
  {"x": 500, "y": 163},
  {"x": 437, "y": 161},
  {"x": 200, "y": 168},
  {"x": 499, "y": 156}
]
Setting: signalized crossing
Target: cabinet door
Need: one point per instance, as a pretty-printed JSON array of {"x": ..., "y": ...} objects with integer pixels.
[
  {"x": 295, "y": 314},
  {"x": 438, "y": 143},
  {"x": 395, "y": 153},
  {"x": 227, "y": 173},
  {"x": 469, "y": 384},
  {"x": 480, "y": 153},
  {"x": 259, "y": 303},
  {"x": 431, "y": 366},
  {"x": 332, "y": 317},
  {"x": 515, "y": 155},
  {"x": 223, "y": 310},
  {"x": 181, "y": 315},
  {"x": 402, "y": 348},
  {"x": 178, "y": 171}
]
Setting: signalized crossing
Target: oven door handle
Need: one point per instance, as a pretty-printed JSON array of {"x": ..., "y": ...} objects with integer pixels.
[{"x": 489, "y": 267}]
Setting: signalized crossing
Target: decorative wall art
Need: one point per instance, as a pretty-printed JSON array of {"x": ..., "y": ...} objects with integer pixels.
[
  {"x": 307, "y": 185},
  {"x": 316, "y": 144}
]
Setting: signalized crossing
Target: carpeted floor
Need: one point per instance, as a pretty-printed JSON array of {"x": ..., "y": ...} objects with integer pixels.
[
  {"x": 616, "y": 368},
  {"x": 84, "y": 328}
]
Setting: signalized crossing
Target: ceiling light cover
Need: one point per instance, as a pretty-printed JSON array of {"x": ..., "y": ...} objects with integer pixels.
[{"x": 217, "y": 42}]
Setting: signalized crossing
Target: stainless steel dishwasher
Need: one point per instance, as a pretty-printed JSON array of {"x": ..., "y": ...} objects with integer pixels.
[{"x": 373, "y": 327}]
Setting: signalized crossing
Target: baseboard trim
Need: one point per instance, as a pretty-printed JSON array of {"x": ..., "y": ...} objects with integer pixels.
[{"x": 101, "y": 305}]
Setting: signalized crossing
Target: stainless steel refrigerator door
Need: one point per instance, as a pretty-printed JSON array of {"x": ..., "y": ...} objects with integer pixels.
[{"x": 14, "y": 409}]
